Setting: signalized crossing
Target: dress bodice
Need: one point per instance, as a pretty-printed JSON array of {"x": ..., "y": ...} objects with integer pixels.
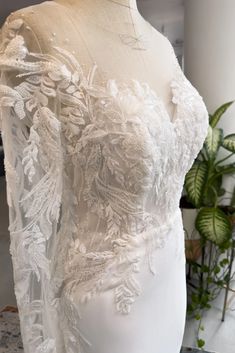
[{"x": 94, "y": 172}]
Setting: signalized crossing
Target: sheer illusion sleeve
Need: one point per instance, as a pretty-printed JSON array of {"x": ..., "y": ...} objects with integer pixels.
[{"x": 33, "y": 161}]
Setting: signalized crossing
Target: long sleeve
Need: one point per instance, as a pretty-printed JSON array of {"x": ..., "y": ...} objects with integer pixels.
[{"x": 33, "y": 160}]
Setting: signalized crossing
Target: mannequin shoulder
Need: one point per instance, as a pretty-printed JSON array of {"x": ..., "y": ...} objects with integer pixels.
[
  {"x": 162, "y": 40},
  {"x": 163, "y": 47}
]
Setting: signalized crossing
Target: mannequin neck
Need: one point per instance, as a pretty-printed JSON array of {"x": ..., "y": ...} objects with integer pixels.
[{"x": 125, "y": 4}]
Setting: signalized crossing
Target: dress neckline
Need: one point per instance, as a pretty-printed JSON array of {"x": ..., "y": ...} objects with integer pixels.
[
  {"x": 72, "y": 67},
  {"x": 176, "y": 81}
]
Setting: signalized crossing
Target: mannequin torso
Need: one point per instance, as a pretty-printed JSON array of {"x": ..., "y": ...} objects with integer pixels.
[
  {"x": 90, "y": 30},
  {"x": 95, "y": 173}
]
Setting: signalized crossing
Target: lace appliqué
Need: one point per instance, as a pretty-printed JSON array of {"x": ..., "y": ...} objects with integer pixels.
[{"x": 100, "y": 173}]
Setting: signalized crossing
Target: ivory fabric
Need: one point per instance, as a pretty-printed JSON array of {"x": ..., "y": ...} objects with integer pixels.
[{"x": 94, "y": 177}]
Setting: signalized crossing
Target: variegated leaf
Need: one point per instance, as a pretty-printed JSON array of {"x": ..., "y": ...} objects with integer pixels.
[
  {"x": 229, "y": 143},
  {"x": 213, "y": 141},
  {"x": 194, "y": 182},
  {"x": 214, "y": 225}
]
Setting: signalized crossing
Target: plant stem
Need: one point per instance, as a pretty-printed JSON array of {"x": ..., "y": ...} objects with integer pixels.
[
  {"x": 210, "y": 261},
  {"x": 224, "y": 159},
  {"x": 201, "y": 275},
  {"x": 203, "y": 156}
]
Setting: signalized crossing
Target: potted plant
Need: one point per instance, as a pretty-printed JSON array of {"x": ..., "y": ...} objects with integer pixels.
[
  {"x": 211, "y": 222},
  {"x": 203, "y": 183}
]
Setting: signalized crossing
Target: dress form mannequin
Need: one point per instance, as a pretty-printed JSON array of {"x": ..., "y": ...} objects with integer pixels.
[
  {"x": 90, "y": 30},
  {"x": 95, "y": 172}
]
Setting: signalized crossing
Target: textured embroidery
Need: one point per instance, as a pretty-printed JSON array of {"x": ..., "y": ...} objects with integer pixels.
[{"x": 94, "y": 178}]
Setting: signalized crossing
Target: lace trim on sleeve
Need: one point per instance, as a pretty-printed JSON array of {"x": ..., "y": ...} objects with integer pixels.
[{"x": 33, "y": 160}]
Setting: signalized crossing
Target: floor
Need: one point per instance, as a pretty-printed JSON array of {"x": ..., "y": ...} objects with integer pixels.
[
  {"x": 10, "y": 338},
  {"x": 219, "y": 336},
  {"x": 6, "y": 282}
]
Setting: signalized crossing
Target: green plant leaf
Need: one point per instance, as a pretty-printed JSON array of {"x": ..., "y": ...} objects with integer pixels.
[
  {"x": 212, "y": 188},
  {"x": 200, "y": 343},
  {"x": 194, "y": 182},
  {"x": 220, "y": 283},
  {"x": 229, "y": 143},
  {"x": 217, "y": 270},
  {"x": 195, "y": 298},
  {"x": 209, "y": 280},
  {"x": 232, "y": 202},
  {"x": 224, "y": 169},
  {"x": 218, "y": 113},
  {"x": 221, "y": 170},
  {"x": 213, "y": 142},
  {"x": 205, "y": 268},
  {"x": 221, "y": 192},
  {"x": 213, "y": 224}
]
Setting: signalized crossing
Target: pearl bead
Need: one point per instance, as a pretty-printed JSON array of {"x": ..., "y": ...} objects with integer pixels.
[
  {"x": 54, "y": 34},
  {"x": 27, "y": 27},
  {"x": 66, "y": 40}
]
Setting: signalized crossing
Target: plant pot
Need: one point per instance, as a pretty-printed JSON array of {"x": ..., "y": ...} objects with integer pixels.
[{"x": 193, "y": 249}]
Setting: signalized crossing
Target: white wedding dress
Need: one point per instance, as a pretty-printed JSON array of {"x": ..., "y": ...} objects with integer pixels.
[{"x": 94, "y": 177}]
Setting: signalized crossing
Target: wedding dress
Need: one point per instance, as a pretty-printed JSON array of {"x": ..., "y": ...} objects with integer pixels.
[{"x": 94, "y": 177}]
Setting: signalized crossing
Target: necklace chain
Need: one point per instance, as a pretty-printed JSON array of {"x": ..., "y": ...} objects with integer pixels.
[
  {"x": 137, "y": 42},
  {"x": 133, "y": 40}
]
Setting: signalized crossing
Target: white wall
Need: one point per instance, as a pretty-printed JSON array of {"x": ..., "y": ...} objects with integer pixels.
[
  {"x": 209, "y": 53},
  {"x": 165, "y": 15}
]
